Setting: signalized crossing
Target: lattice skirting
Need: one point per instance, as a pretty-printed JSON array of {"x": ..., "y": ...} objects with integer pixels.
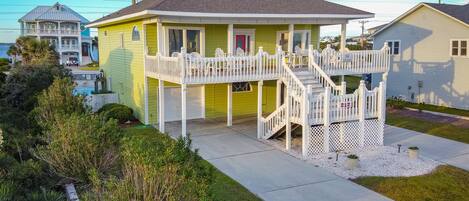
[{"x": 345, "y": 135}]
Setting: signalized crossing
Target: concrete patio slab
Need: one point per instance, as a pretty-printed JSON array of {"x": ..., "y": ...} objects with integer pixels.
[
  {"x": 270, "y": 170},
  {"x": 267, "y": 172},
  {"x": 323, "y": 191},
  {"x": 437, "y": 148},
  {"x": 224, "y": 145}
]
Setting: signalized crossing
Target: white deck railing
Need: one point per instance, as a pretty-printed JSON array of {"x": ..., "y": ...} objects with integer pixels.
[
  {"x": 195, "y": 69},
  {"x": 347, "y": 107},
  {"x": 352, "y": 62},
  {"x": 274, "y": 122}
]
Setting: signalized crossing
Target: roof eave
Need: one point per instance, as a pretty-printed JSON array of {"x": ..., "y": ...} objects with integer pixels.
[{"x": 141, "y": 14}]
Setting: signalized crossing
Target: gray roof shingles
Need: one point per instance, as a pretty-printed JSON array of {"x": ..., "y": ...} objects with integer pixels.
[
  {"x": 50, "y": 13},
  {"x": 239, "y": 6},
  {"x": 460, "y": 12}
]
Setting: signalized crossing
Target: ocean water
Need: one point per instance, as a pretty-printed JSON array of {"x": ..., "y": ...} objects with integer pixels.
[{"x": 3, "y": 49}]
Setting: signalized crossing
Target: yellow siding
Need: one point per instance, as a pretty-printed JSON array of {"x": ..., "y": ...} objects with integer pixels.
[
  {"x": 124, "y": 65},
  {"x": 151, "y": 36},
  {"x": 244, "y": 103}
]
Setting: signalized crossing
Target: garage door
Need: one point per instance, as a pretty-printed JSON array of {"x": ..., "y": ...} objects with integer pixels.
[{"x": 195, "y": 103}]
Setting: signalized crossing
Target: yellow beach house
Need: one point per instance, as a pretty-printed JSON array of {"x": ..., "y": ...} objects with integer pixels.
[{"x": 179, "y": 60}]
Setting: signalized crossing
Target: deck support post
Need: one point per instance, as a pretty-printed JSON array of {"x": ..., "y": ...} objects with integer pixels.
[
  {"x": 183, "y": 110},
  {"x": 260, "y": 128},
  {"x": 230, "y": 40},
  {"x": 306, "y": 125},
  {"x": 343, "y": 36},
  {"x": 327, "y": 119},
  {"x": 382, "y": 109},
  {"x": 229, "y": 108},
  {"x": 343, "y": 91},
  {"x": 160, "y": 37},
  {"x": 291, "y": 33},
  {"x": 361, "y": 111},
  {"x": 278, "y": 101},
  {"x": 161, "y": 105},
  {"x": 288, "y": 124}
]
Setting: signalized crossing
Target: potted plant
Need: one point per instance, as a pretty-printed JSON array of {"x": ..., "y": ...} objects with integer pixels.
[
  {"x": 413, "y": 152},
  {"x": 351, "y": 162}
]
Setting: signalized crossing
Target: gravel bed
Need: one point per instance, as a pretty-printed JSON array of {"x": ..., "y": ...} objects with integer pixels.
[{"x": 382, "y": 161}]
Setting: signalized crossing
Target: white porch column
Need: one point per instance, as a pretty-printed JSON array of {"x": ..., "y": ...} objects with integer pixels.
[
  {"x": 279, "y": 94},
  {"x": 183, "y": 110},
  {"x": 343, "y": 36},
  {"x": 160, "y": 37},
  {"x": 291, "y": 33},
  {"x": 288, "y": 125},
  {"x": 260, "y": 84},
  {"x": 306, "y": 126},
  {"x": 382, "y": 109},
  {"x": 229, "y": 108},
  {"x": 361, "y": 111},
  {"x": 23, "y": 28},
  {"x": 327, "y": 119},
  {"x": 80, "y": 56},
  {"x": 230, "y": 40},
  {"x": 161, "y": 105},
  {"x": 38, "y": 30}
]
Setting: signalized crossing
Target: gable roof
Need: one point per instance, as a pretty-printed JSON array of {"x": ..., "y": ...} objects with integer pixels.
[
  {"x": 459, "y": 13},
  {"x": 240, "y": 8},
  {"x": 63, "y": 13}
]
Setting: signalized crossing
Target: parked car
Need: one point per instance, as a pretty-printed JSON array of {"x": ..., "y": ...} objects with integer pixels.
[{"x": 72, "y": 61}]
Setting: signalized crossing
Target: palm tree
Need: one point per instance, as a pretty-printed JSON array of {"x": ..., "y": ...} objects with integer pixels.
[{"x": 34, "y": 52}]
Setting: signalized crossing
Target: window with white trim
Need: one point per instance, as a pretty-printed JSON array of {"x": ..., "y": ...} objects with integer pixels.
[
  {"x": 301, "y": 38},
  {"x": 459, "y": 47},
  {"x": 135, "y": 34},
  {"x": 394, "y": 46},
  {"x": 190, "y": 38},
  {"x": 241, "y": 87}
]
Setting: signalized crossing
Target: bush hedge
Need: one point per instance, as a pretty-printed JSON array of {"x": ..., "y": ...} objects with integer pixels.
[{"x": 116, "y": 111}]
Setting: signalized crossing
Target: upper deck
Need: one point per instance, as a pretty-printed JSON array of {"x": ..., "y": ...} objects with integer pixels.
[{"x": 184, "y": 68}]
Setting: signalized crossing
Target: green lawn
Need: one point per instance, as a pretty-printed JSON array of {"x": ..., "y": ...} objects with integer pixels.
[
  {"x": 427, "y": 107},
  {"x": 438, "y": 129},
  {"x": 445, "y": 183},
  {"x": 352, "y": 82},
  {"x": 87, "y": 68},
  {"x": 222, "y": 187}
]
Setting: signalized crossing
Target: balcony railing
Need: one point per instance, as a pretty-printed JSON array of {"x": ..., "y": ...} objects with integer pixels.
[
  {"x": 195, "y": 69},
  {"x": 70, "y": 48}
]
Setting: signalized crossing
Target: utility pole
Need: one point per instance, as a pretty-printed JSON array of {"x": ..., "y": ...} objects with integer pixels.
[{"x": 362, "y": 38}]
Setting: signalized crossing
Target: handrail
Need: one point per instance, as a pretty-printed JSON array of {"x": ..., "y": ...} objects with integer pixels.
[
  {"x": 274, "y": 122},
  {"x": 322, "y": 76}
]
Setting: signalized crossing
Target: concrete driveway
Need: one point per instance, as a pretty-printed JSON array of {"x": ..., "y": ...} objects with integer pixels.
[
  {"x": 437, "y": 148},
  {"x": 269, "y": 173}
]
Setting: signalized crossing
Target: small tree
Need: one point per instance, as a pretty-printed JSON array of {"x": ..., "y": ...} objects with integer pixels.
[
  {"x": 79, "y": 143},
  {"x": 58, "y": 101}
]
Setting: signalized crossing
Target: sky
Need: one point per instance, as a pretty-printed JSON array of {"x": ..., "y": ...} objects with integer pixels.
[{"x": 11, "y": 10}]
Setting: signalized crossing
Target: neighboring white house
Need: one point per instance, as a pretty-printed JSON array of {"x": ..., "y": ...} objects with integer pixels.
[
  {"x": 63, "y": 27},
  {"x": 430, "y": 61}
]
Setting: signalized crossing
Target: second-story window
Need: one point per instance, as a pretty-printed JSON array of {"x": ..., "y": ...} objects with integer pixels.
[
  {"x": 135, "y": 34},
  {"x": 241, "y": 87},
  {"x": 394, "y": 46},
  {"x": 459, "y": 47}
]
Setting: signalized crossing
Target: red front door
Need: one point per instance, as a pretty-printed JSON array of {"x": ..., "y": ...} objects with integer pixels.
[{"x": 241, "y": 42}]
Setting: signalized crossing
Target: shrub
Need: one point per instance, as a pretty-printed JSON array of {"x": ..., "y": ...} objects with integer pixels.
[
  {"x": 155, "y": 167},
  {"x": 81, "y": 143},
  {"x": 414, "y": 148},
  {"x": 119, "y": 112},
  {"x": 58, "y": 101},
  {"x": 4, "y": 68},
  {"x": 352, "y": 156}
]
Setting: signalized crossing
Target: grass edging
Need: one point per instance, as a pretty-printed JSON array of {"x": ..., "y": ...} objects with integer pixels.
[{"x": 444, "y": 183}]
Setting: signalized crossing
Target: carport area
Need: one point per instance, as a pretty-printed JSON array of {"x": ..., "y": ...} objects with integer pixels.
[{"x": 269, "y": 173}]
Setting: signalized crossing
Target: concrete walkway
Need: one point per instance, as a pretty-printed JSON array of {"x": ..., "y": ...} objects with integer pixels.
[
  {"x": 269, "y": 173},
  {"x": 437, "y": 148}
]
